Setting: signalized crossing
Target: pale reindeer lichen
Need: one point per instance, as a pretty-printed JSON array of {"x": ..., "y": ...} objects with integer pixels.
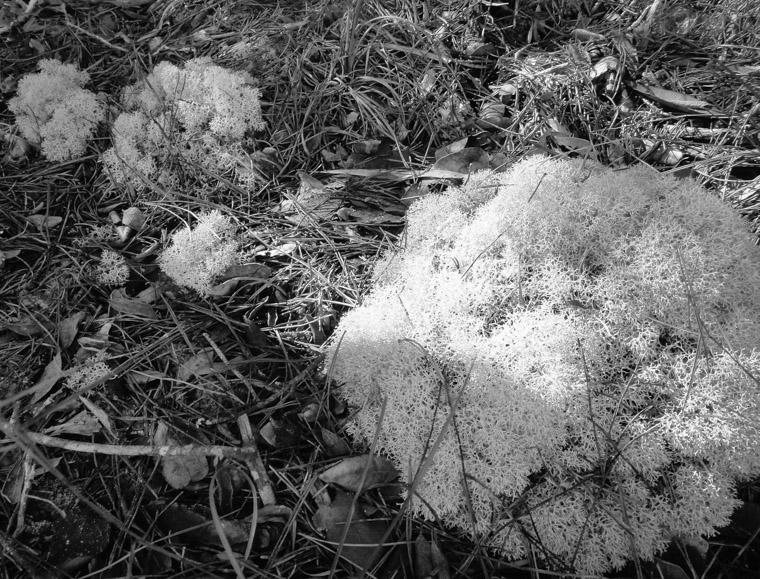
[{"x": 598, "y": 335}]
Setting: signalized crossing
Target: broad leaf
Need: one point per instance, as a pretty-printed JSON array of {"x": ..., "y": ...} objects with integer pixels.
[{"x": 349, "y": 472}]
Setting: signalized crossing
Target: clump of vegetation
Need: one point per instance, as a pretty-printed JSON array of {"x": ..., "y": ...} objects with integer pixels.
[
  {"x": 582, "y": 344},
  {"x": 201, "y": 113},
  {"x": 196, "y": 256},
  {"x": 54, "y": 110},
  {"x": 155, "y": 432}
]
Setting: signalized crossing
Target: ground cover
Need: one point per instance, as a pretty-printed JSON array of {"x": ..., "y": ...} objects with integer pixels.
[{"x": 110, "y": 358}]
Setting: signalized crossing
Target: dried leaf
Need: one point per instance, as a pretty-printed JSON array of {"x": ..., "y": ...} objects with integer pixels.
[
  {"x": 247, "y": 271},
  {"x": 149, "y": 295},
  {"x": 582, "y": 147},
  {"x": 312, "y": 202},
  {"x": 26, "y": 327},
  {"x": 669, "y": 570},
  {"x": 133, "y": 218},
  {"x": 231, "y": 489},
  {"x": 68, "y": 328},
  {"x": 82, "y": 423},
  {"x": 493, "y": 115},
  {"x": 605, "y": 66},
  {"x": 189, "y": 527},
  {"x": 225, "y": 288},
  {"x": 334, "y": 444},
  {"x": 123, "y": 304},
  {"x": 44, "y": 221},
  {"x": 11, "y": 253},
  {"x": 386, "y": 174},
  {"x": 255, "y": 336},
  {"x": 50, "y": 376},
  {"x": 583, "y": 35},
  {"x": 179, "y": 471},
  {"x": 362, "y": 545},
  {"x": 101, "y": 340},
  {"x": 676, "y": 100},
  {"x": 281, "y": 433},
  {"x": 464, "y": 161},
  {"x": 368, "y": 216},
  {"x": 143, "y": 377},
  {"x": 201, "y": 364},
  {"x": 98, "y": 413},
  {"x": 13, "y": 487},
  {"x": 348, "y": 473},
  {"x": 429, "y": 561}
]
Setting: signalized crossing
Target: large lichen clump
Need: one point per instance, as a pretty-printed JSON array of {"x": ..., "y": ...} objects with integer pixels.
[
  {"x": 201, "y": 112},
  {"x": 595, "y": 335}
]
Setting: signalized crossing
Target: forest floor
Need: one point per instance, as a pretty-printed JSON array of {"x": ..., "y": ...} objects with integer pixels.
[{"x": 367, "y": 106}]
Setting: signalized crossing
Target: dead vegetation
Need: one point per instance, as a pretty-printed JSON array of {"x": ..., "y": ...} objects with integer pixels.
[{"x": 149, "y": 432}]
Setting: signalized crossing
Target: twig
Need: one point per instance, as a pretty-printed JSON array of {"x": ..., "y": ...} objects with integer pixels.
[
  {"x": 254, "y": 462},
  {"x": 16, "y": 433}
]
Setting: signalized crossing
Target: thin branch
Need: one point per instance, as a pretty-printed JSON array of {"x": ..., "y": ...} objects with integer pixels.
[{"x": 17, "y": 434}]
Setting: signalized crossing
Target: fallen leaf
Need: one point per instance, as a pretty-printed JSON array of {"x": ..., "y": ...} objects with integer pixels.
[
  {"x": 362, "y": 545},
  {"x": 179, "y": 471},
  {"x": 26, "y": 327},
  {"x": 83, "y": 423},
  {"x": 247, "y": 271},
  {"x": 312, "y": 202},
  {"x": 13, "y": 487},
  {"x": 68, "y": 328},
  {"x": 281, "y": 250},
  {"x": 255, "y": 336},
  {"x": 50, "y": 376},
  {"x": 368, "y": 216},
  {"x": 225, "y": 288},
  {"x": 334, "y": 444},
  {"x": 386, "y": 174},
  {"x": 281, "y": 433},
  {"x": 123, "y": 304},
  {"x": 349, "y": 472},
  {"x": 231, "y": 489},
  {"x": 143, "y": 377},
  {"x": 605, "y": 65},
  {"x": 133, "y": 218},
  {"x": 198, "y": 365},
  {"x": 189, "y": 527},
  {"x": 676, "y": 100},
  {"x": 44, "y": 221},
  {"x": 583, "y": 35},
  {"x": 98, "y": 413},
  {"x": 429, "y": 561},
  {"x": 101, "y": 339},
  {"x": 493, "y": 115},
  {"x": 414, "y": 192},
  {"x": 11, "y": 253},
  {"x": 149, "y": 295},
  {"x": 572, "y": 144},
  {"x": 464, "y": 161},
  {"x": 669, "y": 570}
]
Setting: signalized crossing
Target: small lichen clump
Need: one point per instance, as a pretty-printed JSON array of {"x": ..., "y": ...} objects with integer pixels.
[
  {"x": 112, "y": 269},
  {"x": 202, "y": 113},
  {"x": 598, "y": 336},
  {"x": 196, "y": 256},
  {"x": 54, "y": 110}
]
